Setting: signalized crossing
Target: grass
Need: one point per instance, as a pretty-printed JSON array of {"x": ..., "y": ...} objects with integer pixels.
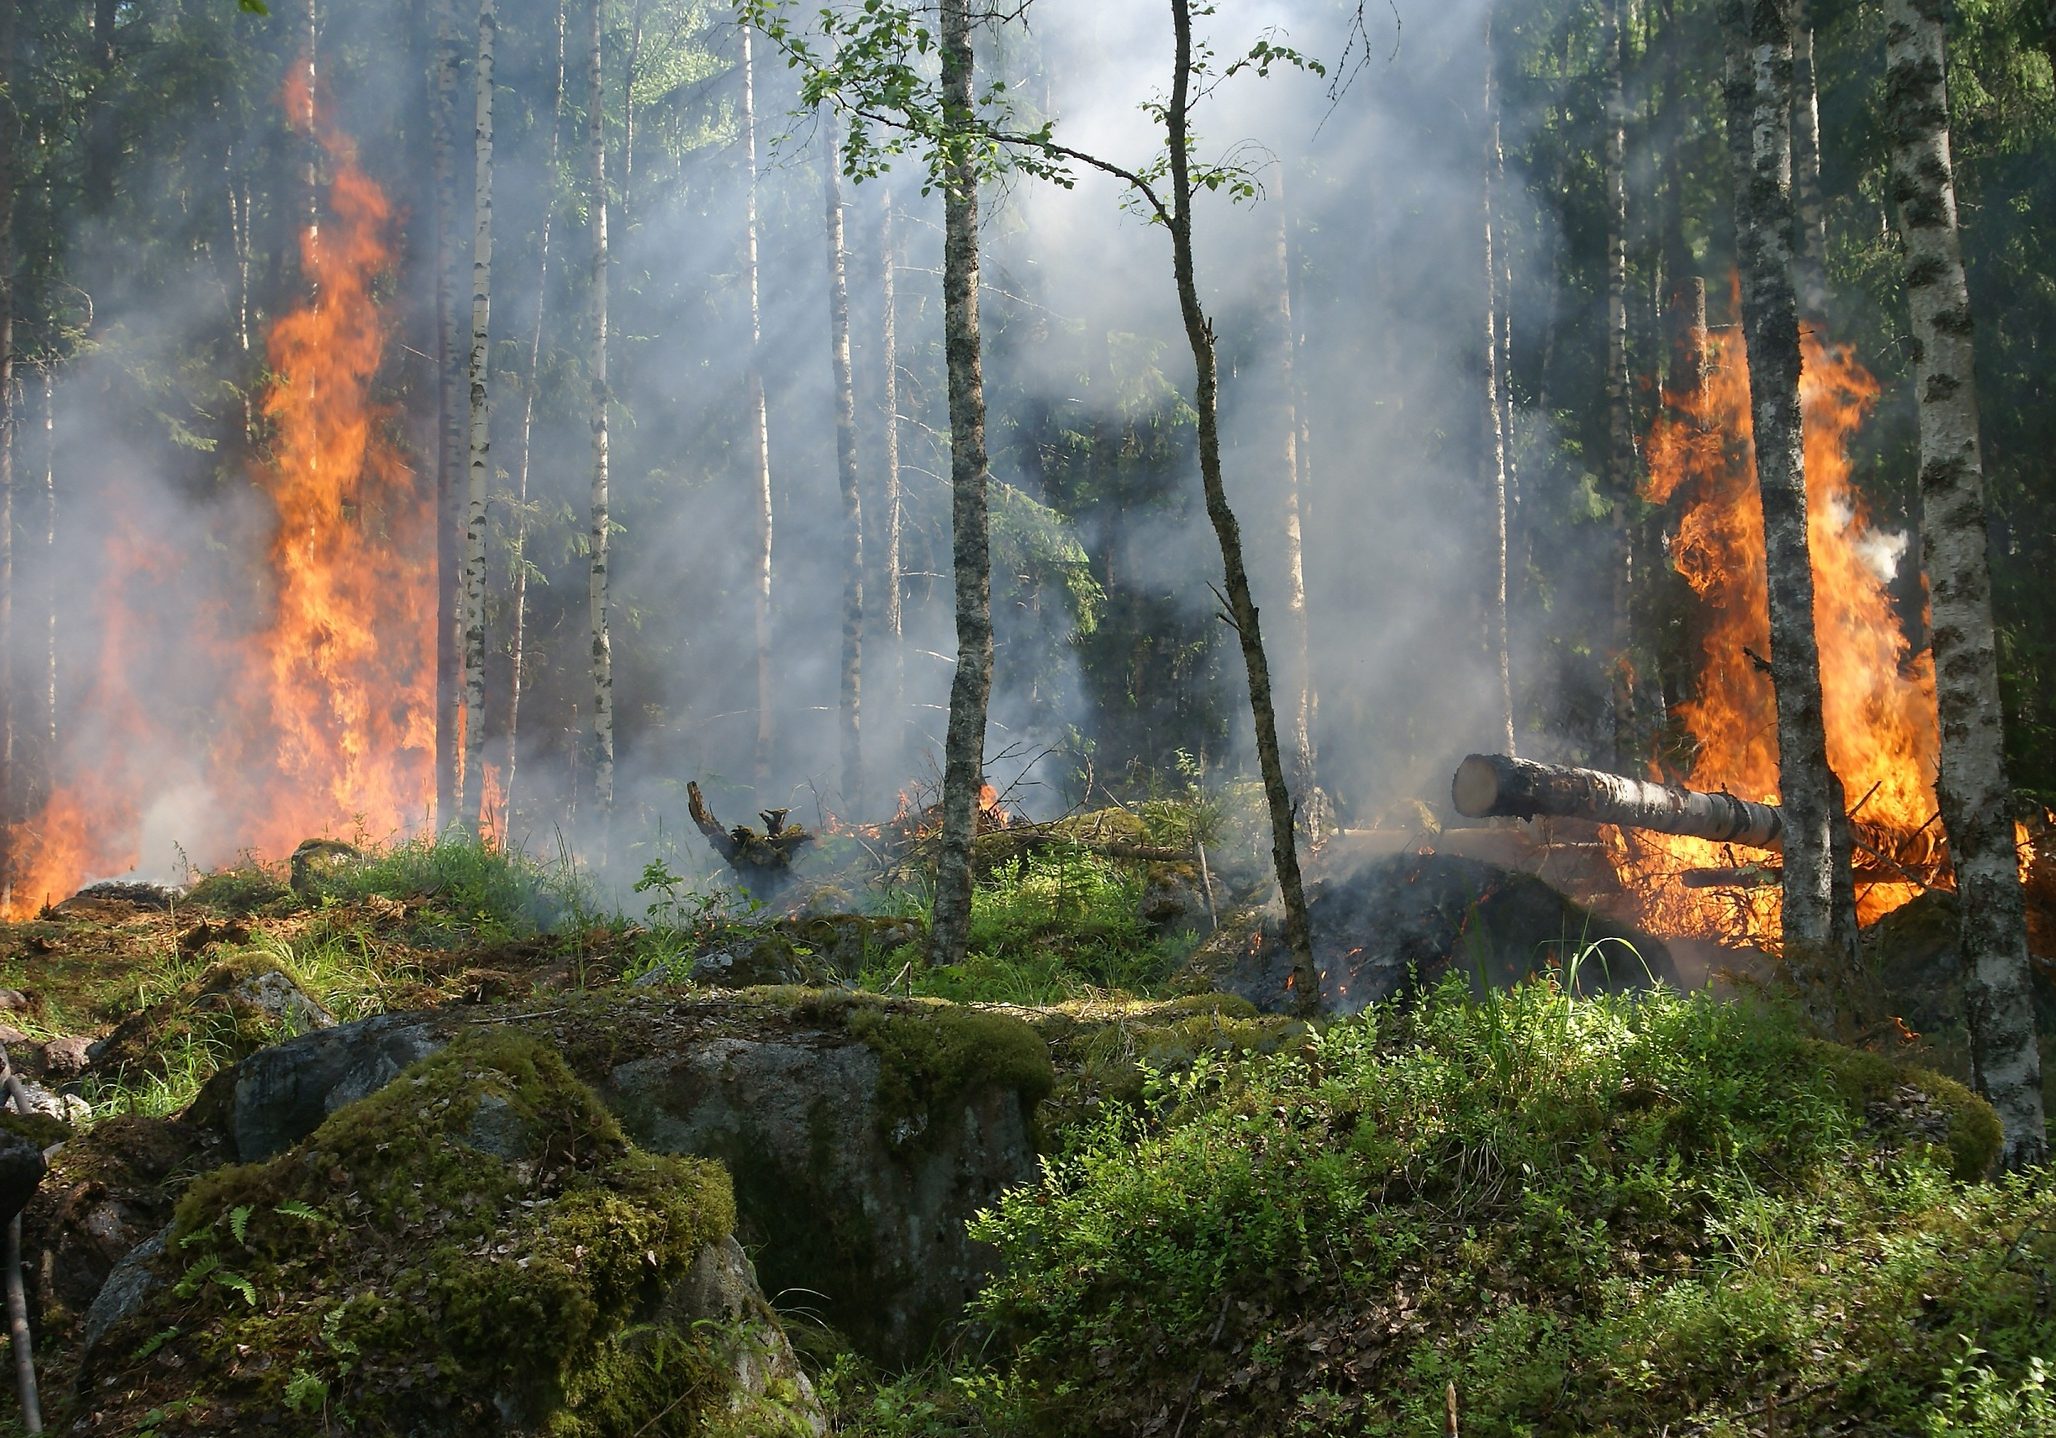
[{"x": 1597, "y": 1216}]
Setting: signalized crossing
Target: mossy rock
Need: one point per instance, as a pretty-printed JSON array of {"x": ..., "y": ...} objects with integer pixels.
[
  {"x": 240, "y": 1005},
  {"x": 1906, "y": 1105},
  {"x": 474, "y": 1249},
  {"x": 1107, "y": 1060}
]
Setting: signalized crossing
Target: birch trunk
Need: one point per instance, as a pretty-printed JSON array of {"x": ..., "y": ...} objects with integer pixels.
[
  {"x": 2005, "y": 1062},
  {"x": 479, "y": 469},
  {"x": 518, "y": 644},
  {"x": 1620, "y": 442},
  {"x": 10, "y": 180},
  {"x": 1819, "y": 936},
  {"x": 1242, "y": 610},
  {"x": 1499, "y": 645},
  {"x": 760, "y": 431},
  {"x": 852, "y": 659},
  {"x": 47, "y": 770},
  {"x": 1313, "y": 820},
  {"x": 102, "y": 140},
  {"x": 895, "y": 622},
  {"x": 1810, "y": 263},
  {"x": 963, "y": 771},
  {"x": 443, "y": 143},
  {"x": 596, "y": 575}
]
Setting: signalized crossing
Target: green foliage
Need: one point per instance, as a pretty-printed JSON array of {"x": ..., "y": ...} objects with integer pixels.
[
  {"x": 482, "y": 1215},
  {"x": 1597, "y": 1217},
  {"x": 468, "y": 888}
]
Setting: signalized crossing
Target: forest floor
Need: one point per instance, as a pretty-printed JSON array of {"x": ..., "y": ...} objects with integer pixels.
[{"x": 1510, "y": 1214}]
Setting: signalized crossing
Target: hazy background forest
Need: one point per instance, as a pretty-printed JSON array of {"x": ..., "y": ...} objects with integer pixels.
[{"x": 158, "y": 186}]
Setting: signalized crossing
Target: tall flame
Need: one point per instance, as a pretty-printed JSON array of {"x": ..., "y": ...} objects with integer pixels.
[
  {"x": 323, "y": 710},
  {"x": 1878, "y": 696}
]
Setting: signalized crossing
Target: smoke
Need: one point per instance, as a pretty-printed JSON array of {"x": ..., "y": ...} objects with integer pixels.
[{"x": 1376, "y": 182}]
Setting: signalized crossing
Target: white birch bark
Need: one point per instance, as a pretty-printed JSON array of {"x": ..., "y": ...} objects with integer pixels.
[
  {"x": 1620, "y": 444},
  {"x": 1810, "y": 262},
  {"x": 852, "y": 657},
  {"x": 1819, "y": 935},
  {"x": 518, "y": 641},
  {"x": 760, "y": 433},
  {"x": 1499, "y": 645},
  {"x": 479, "y": 466},
  {"x": 2005, "y": 1061},
  {"x": 895, "y": 619},
  {"x": 449, "y": 407}
]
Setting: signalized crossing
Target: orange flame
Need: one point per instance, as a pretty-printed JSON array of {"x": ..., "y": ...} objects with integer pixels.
[
  {"x": 1878, "y": 698},
  {"x": 324, "y": 719}
]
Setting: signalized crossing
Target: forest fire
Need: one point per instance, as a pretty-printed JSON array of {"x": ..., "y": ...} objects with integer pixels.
[
  {"x": 1879, "y": 695},
  {"x": 321, "y": 713}
]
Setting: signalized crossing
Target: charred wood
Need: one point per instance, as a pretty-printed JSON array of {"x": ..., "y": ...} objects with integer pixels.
[{"x": 763, "y": 861}]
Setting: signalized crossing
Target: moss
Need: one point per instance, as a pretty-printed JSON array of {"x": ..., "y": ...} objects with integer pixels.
[
  {"x": 475, "y": 1240},
  {"x": 41, "y": 1129},
  {"x": 1917, "y": 1104},
  {"x": 930, "y": 1056}
]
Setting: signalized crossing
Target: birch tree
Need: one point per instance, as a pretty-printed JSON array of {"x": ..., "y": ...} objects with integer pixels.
[
  {"x": 1810, "y": 242},
  {"x": 760, "y": 427},
  {"x": 443, "y": 144},
  {"x": 518, "y": 642},
  {"x": 888, "y": 300},
  {"x": 1998, "y": 999},
  {"x": 1819, "y": 932},
  {"x": 1498, "y": 644},
  {"x": 1620, "y": 442},
  {"x": 597, "y": 599},
  {"x": 479, "y": 466},
  {"x": 850, "y": 672}
]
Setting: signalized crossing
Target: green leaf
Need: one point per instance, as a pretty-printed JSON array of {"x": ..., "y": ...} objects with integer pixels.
[
  {"x": 239, "y": 1222},
  {"x": 236, "y": 1283}
]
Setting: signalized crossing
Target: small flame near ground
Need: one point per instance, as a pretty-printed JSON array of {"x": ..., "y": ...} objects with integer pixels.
[
  {"x": 320, "y": 717},
  {"x": 1878, "y": 695}
]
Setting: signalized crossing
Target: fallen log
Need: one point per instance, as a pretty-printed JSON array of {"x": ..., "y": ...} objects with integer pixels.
[{"x": 1498, "y": 785}]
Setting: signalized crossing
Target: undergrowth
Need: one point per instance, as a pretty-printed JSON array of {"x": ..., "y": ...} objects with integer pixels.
[{"x": 1605, "y": 1216}]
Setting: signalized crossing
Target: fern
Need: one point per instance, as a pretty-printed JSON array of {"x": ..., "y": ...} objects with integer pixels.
[
  {"x": 239, "y": 1222},
  {"x": 236, "y": 1283}
]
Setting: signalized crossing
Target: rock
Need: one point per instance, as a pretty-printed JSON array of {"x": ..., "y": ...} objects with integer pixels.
[
  {"x": 13, "y": 1000},
  {"x": 414, "y": 1281},
  {"x": 236, "y": 1007},
  {"x": 128, "y": 1287},
  {"x": 1174, "y": 897},
  {"x": 66, "y": 1058},
  {"x": 11, "y": 1037},
  {"x": 281, "y": 1094},
  {"x": 861, "y": 1135},
  {"x": 136, "y": 894},
  {"x": 108, "y": 1190},
  {"x": 1400, "y": 924},
  {"x": 66, "y": 1108},
  {"x": 21, "y": 1169}
]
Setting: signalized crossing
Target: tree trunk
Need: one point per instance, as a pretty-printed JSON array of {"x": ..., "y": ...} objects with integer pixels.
[
  {"x": 443, "y": 142},
  {"x": 1819, "y": 934},
  {"x": 479, "y": 469},
  {"x": 10, "y": 180},
  {"x": 1620, "y": 441},
  {"x": 963, "y": 772},
  {"x": 103, "y": 141},
  {"x": 852, "y": 659},
  {"x": 1304, "y": 779},
  {"x": 596, "y": 574},
  {"x": 1500, "y": 786},
  {"x": 518, "y": 643},
  {"x": 47, "y": 770},
  {"x": 1498, "y": 644},
  {"x": 760, "y": 432},
  {"x": 1242, "y": 611},
  {"x": 1974, "y": 791},
  {"x": 1810, "y": 259},
  {"x": 895, "y": 623}
]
